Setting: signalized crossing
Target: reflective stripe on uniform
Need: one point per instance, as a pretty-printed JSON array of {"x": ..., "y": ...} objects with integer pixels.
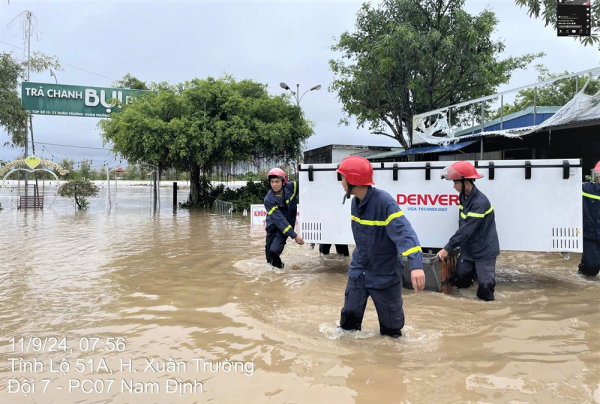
[
  {"x": 412, "y": 250},
  {"x": 293, "y": 194},
  {"x": 591, "y": 196},
  {"x": 272, "y": 209},
  {"x": 377, "y": 222},
  {"x": 478, "y": 215},
  {"x": 287, "y": 228}
]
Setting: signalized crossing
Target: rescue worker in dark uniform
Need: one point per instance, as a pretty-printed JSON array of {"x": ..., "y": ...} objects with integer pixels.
[
  {"x": 381, "y": 233},
  {"x": 341, "y": 249},
  {"x": 281, "y": 205},
  {"x": 476, "y": 235},
  {"x": 590, "y": 259}
]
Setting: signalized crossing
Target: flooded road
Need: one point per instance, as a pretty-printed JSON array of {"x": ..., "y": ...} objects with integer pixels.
[{"x": 134, "y": 307}]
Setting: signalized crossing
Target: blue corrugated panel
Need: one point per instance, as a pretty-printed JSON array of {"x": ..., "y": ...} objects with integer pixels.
[
  {"x": 520, "y": 122},
  {"x": 436, "y": 148}
]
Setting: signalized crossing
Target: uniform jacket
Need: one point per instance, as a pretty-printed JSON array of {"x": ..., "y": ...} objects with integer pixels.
[
  {"x": 476, "y": 235},
  {"x": 591, "y": 211},
  {"x": 282, "y": 210},
  {"x": 381, "y": 232}
]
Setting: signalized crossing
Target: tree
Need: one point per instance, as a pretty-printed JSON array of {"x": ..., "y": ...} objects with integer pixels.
[
  {"x": 79, "y": 189},
  {"x": 546, "y": 9},
  {"x": 85, "y": 169},
  {"x": 129, "y": 81},
  {"x": 132, "y": 172},
  {"x": 199, "y": 124},
  {"x": 67, "y": 164},
  {"x": 556, "y": 94},
  {"x": 97, "y": 175},
  {"x": 412, "y": 56},
  {"x": 13, "y": 117}
]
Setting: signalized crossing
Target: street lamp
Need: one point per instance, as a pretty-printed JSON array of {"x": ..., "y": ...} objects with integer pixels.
[
  {"x": 298, "y": 98},
  {"x": 296, "y": 94}
]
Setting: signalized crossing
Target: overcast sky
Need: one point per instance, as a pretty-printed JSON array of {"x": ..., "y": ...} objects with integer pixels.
[{"x": 266, "y": 41}]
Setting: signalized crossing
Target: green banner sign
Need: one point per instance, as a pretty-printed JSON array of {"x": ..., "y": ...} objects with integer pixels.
[{"x": 66, "y": 100}]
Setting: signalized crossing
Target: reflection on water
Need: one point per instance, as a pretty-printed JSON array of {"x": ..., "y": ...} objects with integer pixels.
[{"x": 193, "y": 288}]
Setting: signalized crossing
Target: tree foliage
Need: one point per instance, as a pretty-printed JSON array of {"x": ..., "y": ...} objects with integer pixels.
[
  {"x": 13, "y": 117},
  {"x": 67, "y": 164},
  {"x": 199, "y": 124},
  {"x": 131, "y": 82},
  {"x": 546, "y": 10},
  {"x": 557, "y": 93},
  {"x": 412, "y": 56},
  {"x": 85, "y": 169},
  {"x": 79, "y": 189}
]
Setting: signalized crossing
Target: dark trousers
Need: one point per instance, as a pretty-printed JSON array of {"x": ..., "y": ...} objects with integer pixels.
[
  {"x": 590, "y": 259},
  {"x": 388, "y": 303},
  {"x": 339, "y": 248},
  {"x": 486, "y": 276},
  {"x": 274, "y": 247}
]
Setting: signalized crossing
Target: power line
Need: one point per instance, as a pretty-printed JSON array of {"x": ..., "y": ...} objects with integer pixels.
[
  {"x": 44, "y": 148},
  {"x": 89, "y": 161},
  {"x": 66, "y": 64},
  {"x": 76, "y": 147}
]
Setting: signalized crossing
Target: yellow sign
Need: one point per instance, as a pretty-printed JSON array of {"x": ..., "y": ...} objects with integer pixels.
[{"x": 32, "y": 162}]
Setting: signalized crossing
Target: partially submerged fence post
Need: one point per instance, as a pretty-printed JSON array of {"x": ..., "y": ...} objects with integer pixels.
[
  {"x": 155, "y": 189},
  {"x": 175, "y": 196}
]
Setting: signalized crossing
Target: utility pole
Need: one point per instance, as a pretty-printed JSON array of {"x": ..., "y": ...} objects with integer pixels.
[{"x": 28, "y": 16}]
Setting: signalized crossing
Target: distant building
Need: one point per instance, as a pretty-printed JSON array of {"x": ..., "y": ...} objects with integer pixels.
[
  {"x": 335, "y": 153},
  {"x": 119, "y": 173}
]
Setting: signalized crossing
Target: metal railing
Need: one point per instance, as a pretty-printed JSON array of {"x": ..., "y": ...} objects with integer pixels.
[
  {"x": 31, "y": 202},
  {"x": 478, "y": 120},
  {"x": 223, "y": 208}
]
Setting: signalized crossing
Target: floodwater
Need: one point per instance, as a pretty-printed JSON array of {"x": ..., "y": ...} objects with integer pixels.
[{"x": 131, "y": 306}]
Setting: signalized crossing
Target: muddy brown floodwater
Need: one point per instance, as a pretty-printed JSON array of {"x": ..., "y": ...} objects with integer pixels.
[{"x": 133, "y": 307}]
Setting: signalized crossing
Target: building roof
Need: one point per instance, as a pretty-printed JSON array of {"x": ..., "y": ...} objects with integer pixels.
[
  {"x": 351, "y": 146},
  {"x": 387, "y": 154},
  {"x": 422, "y": 150}
]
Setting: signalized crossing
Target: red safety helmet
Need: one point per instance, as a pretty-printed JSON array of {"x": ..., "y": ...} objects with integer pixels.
[
  {"x": 357, "y": 170},
  {"x": 597, "y": 169},
  {"x": 461, "y": 170},
  {"x": 279, "y": 173}
]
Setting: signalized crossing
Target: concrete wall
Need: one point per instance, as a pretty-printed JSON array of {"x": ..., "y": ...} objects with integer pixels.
[{"x": 339, "y": 154}]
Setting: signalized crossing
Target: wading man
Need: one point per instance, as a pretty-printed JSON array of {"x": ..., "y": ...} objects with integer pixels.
[
  {"x": 281, "y": 205},
  {"x": 381, "y": 233},
  {"x": 476, "y": 235}
]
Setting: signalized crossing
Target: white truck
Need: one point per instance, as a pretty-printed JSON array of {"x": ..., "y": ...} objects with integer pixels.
[{"x": 537, "y": 203}]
